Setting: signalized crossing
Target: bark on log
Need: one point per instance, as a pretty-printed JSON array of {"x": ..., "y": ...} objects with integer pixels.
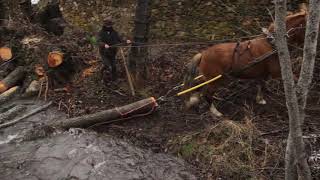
[
  {"x": 4, "y": 97},
  {"x": 41, "y": 108},
  {"x": 140, "y": 108},
  {"x": 12, "y": 79},
  {"x": 11, "y": 113}
]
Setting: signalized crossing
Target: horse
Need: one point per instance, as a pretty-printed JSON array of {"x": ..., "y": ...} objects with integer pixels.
[{"x": 227, "y": 58}]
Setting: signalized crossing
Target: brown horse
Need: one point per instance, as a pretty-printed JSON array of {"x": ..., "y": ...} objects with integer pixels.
[{"x": 226, "y": 58}]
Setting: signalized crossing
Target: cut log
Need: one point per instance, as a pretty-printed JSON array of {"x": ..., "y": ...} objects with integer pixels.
[
  {"x": 33, "y": 88},
  {"x": 140, "y": 108},
  {"x": 39, "y": 70},
  {"x": 12, "y": 79},
  {"x": 39, "y": 109},
  {"x": 55, "y": 59},
  {"x": 7, "y": 95},
  {"x": 12, "y": 113},
  {"x": 5, "y": 53}
]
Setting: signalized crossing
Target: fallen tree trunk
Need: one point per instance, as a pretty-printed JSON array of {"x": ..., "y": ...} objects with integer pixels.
[
  {"x": 12, "y": 79},
  {"x": 11, "y": 113},
  {"x": 41, "y": 108},
  {"x": 4, "y": 97},
  {"x": 140, "y": 108}
]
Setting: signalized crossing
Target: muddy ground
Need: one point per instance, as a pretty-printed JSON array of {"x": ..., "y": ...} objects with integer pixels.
[
  {"x": 248, "y": 142},
  {"x": 164, "y": 130},
  {"x": 32, "y": 150}
]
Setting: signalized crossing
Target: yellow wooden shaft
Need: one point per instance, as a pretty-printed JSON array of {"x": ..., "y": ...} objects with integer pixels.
[
  {"x": 200, "y": 85},
  {"x": 198, "y": 77}
]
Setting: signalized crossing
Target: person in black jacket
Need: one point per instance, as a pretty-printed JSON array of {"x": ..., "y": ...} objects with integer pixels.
[{"x": 107, "y": 39}]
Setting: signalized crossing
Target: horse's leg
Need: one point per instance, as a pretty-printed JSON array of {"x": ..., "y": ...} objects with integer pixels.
[
  {"x": 193, "y": 100},
  {"x": 209, "y": 99},
  {"x": 259, "y": 98}
]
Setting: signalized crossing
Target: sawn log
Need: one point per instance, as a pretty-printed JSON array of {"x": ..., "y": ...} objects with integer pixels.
[
  {"x": 12, "y": 79},
  {"x": 140, "y": 108}
]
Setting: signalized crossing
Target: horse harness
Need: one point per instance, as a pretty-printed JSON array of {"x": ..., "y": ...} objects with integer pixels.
[{"x": 237, "y": 54}]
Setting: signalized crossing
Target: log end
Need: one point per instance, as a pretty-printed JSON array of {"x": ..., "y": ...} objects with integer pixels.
[
  {"x": 5, "y": 53},
  {"x": 55, "y": 59},
  {"x": 39, "y": 70},
  {"x": 3, "y": 87}
]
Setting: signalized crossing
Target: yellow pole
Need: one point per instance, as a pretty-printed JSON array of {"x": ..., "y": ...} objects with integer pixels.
[
  {"x": 198, "y": 77},
  {"x": 200, "y": 85}
]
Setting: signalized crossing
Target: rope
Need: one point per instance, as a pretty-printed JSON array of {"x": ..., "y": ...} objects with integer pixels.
[
  {"x": 140, "y": 107},
  {"x": 187, "y": 43}
]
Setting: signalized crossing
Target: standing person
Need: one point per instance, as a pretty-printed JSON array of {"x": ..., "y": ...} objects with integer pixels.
[{"x": 107, "y": 38}]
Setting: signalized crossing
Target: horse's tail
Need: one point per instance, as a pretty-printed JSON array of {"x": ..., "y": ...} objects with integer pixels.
[{"x": 192, "y": 70}]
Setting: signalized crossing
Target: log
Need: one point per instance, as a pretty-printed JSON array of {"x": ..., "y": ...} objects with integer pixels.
[
  {"x": 39, "y": 109},
  {"x": 11, "y": 113},
  {"x": 12, "y": 79},
  {"x": 5, "y": 54},
  {"x": 39, "y": 70},
  {"x": 139, "y": 108},
  {"x": 7, "y": 95},
  {"x": 55, "y": 59}
]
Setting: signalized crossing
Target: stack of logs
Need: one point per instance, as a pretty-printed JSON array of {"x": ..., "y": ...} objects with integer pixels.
[
  {"x": 12, "y": 81},
  {"x": 10, "y": 85}
]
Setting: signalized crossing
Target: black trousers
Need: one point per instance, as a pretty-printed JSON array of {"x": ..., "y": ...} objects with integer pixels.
[{"x": 109, "y": 62}]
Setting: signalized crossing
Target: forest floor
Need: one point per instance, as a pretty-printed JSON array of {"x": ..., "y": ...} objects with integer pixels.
[{"x": 249, "y": 141}]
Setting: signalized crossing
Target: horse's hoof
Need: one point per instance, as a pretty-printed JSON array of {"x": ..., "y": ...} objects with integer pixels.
[
  {"x": 215, "y": 112},
  {"x": 262, "y": 102}
]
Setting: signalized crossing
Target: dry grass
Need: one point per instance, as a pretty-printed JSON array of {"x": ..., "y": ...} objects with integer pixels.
[{"x": 231, "y": 149}]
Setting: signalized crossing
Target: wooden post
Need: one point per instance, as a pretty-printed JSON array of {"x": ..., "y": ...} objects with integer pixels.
[{"x": 127, "y": 72}]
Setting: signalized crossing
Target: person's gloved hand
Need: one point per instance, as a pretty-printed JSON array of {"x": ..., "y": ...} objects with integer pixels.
[{"x": 106, "y": 46}]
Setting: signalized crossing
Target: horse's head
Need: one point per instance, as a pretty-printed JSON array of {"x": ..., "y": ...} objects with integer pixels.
[{"x": 296, "y": 26}]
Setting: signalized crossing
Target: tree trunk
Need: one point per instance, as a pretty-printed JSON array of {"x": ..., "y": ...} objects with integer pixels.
[
  {"x": 310, "y": 50},
  {"x": 50, "y": 18},
  {"x": 12, "y": 113},
  {"x": 138, "y": 55},
  {"x": 4, "y": 8},
  {"x": 295, "y": 151},
  {"x": 139, "y": 108}
]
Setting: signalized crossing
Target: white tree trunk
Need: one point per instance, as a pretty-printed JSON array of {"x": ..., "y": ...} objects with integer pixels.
[
  {"x": 295, "y": 152},
  {"x": 310, "y": 49}
]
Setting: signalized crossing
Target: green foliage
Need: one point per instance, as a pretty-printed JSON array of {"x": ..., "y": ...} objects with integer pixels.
[{"x": 93, "y": 40}]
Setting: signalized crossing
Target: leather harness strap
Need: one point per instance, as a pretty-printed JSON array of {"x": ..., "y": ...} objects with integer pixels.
[{"x": 237, "y": 54}]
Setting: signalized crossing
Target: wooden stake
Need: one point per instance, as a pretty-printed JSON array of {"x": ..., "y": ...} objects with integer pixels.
[{"x": 127, "y": 72}]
